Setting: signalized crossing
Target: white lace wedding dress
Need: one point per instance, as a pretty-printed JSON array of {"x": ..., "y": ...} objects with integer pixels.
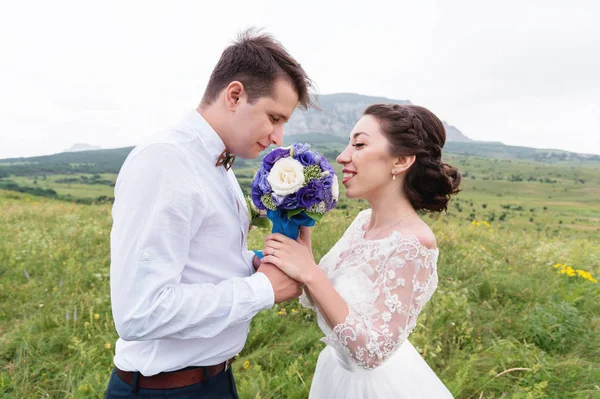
[{"x": 385, "y": 283}]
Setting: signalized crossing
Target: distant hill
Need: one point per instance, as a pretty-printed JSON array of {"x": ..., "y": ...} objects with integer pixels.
[
  {"x": 82, "y": 147},
  {"x": 496, "y": 150},
  {"x": 339, "y": 113},
  {"x": 98, "y": 161},
  {"x": 110, "y": 160},
  {"x": 327, "y": 130}
]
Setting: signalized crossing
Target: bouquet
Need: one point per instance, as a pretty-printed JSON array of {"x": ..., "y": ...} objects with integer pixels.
[
  {"x": 296, "y": 186},
  {"x": 258, "y": 218}
]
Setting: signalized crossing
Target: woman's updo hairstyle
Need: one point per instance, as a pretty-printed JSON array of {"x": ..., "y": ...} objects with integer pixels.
[{"x": 414, "y": 130}]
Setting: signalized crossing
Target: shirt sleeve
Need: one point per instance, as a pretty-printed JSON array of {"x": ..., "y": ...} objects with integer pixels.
[
  {"x": 250, "y": 258},
  {"x": 159, "y": 207}
]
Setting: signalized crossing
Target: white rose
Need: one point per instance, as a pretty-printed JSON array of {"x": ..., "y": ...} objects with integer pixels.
[
  {"x": 286, "y": 176},
  {"x": 335, "y": 188}
]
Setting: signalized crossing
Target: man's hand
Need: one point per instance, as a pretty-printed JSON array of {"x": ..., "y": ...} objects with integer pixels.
[
  {"x": 284, "y": 287},
  {"x": 256, "y": 263}
]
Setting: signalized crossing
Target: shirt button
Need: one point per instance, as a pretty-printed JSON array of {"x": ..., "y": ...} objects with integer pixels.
[{"x": 145, "y": 255}]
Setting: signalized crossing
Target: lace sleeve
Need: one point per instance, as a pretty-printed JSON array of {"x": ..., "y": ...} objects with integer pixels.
[{"x": 403, "y": 282}]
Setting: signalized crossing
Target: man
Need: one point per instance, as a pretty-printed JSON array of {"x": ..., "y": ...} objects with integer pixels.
[{"x": 184, "y": 287}]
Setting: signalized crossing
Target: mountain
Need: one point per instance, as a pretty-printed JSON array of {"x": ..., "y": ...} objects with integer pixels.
[
  {"x": 339, "y": 113},
  {"x": 453, "y": 134},
  {"x": 496, "y": 150},
  {"x": 82, "y": 147},
  {"x": 97, "y": 161},
  {"x": 326, "y": 129},
  {"x": 110, "y": 160}
]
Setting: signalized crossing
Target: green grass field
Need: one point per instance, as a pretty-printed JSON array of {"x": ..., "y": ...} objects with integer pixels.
[
  {"x": 509, "y": 318},
  {"x": 74, "y": 189}
]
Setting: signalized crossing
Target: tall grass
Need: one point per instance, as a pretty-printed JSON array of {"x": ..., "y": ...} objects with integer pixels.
[{"x": 503, "y": 323}]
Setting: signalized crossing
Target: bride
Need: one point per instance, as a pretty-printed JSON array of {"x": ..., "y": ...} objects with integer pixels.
[{"x": 369, "y": 289}]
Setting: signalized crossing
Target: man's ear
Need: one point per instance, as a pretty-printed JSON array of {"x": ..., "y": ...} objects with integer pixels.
[
  {"x": 403, "y": 163},
  {"x": 234, "y": 95}
]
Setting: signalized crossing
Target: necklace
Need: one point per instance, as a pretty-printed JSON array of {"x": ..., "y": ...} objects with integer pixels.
[{"x": 389, "y": 227}]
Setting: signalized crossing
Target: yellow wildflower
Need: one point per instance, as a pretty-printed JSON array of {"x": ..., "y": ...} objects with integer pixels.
[
  {"x": 96, "y": 316},
  {"x": 107, "y": 345},
  {"x": 246, "y": 365},
  {"x": 586, "y": 275},
  {"x": 569, "y": 271}
]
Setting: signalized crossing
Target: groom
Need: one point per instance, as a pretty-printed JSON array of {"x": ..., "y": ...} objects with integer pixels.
[{"x": 184, "y": 287}]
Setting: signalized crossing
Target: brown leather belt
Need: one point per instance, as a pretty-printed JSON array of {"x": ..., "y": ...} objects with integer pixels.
[{"x": 173, "y": 379}]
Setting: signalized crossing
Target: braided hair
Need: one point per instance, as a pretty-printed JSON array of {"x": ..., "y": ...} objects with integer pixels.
[{"x": 414, "y": 130}]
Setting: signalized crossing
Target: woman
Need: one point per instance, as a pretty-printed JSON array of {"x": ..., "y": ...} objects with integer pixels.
[{"x": 369, "y": 289}]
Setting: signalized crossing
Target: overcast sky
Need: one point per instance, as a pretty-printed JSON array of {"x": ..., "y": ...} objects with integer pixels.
[{"x": 109, "y": 73}]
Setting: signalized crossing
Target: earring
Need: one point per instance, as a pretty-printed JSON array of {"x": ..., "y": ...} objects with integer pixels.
[{"x": 393, "y": 177}]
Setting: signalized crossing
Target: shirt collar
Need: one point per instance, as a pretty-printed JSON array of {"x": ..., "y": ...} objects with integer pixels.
[{"x": 207, "y": 135}]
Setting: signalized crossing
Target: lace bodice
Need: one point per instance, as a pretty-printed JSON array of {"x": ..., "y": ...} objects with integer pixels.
[{"x": 385, "y": 284}]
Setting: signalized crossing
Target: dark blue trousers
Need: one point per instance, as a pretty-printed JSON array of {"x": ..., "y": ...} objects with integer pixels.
[{"x": 221, "y": 386}]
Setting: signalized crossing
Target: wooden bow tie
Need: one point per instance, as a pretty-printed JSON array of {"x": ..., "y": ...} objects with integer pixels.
[{"x": 226, "y": 159}]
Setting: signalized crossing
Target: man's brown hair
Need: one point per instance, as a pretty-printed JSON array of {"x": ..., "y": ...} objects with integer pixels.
[{"x": 257, "y": 60}]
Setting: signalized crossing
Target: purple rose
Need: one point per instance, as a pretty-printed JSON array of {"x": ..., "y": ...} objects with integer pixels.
[
  {"x": 328, "y": 181},
  {"x": 261, "y": 180},
  {"x": 311, "y": 194},
  {"x": 288, "y": 202},
  {"x": 331, "y": 206},
  {"x": 307, "y": 158},
  {"x": 324, "y": 164},
  {"x": 256, "y": 193},
  {"x": 330, "y": 203},
  {"x": 274, "y": 156},
  {"x": 300, "y": 148}
]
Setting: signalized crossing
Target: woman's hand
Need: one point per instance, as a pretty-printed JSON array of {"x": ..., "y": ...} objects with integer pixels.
[{"x": 294, "y": 258}]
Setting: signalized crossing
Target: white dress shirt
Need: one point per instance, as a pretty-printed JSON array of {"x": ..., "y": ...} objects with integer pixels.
[{"x": 183, "y": 287}]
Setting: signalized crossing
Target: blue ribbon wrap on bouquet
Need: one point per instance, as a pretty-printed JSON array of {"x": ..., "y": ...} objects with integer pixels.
[{"x": 289, "y": 227}]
